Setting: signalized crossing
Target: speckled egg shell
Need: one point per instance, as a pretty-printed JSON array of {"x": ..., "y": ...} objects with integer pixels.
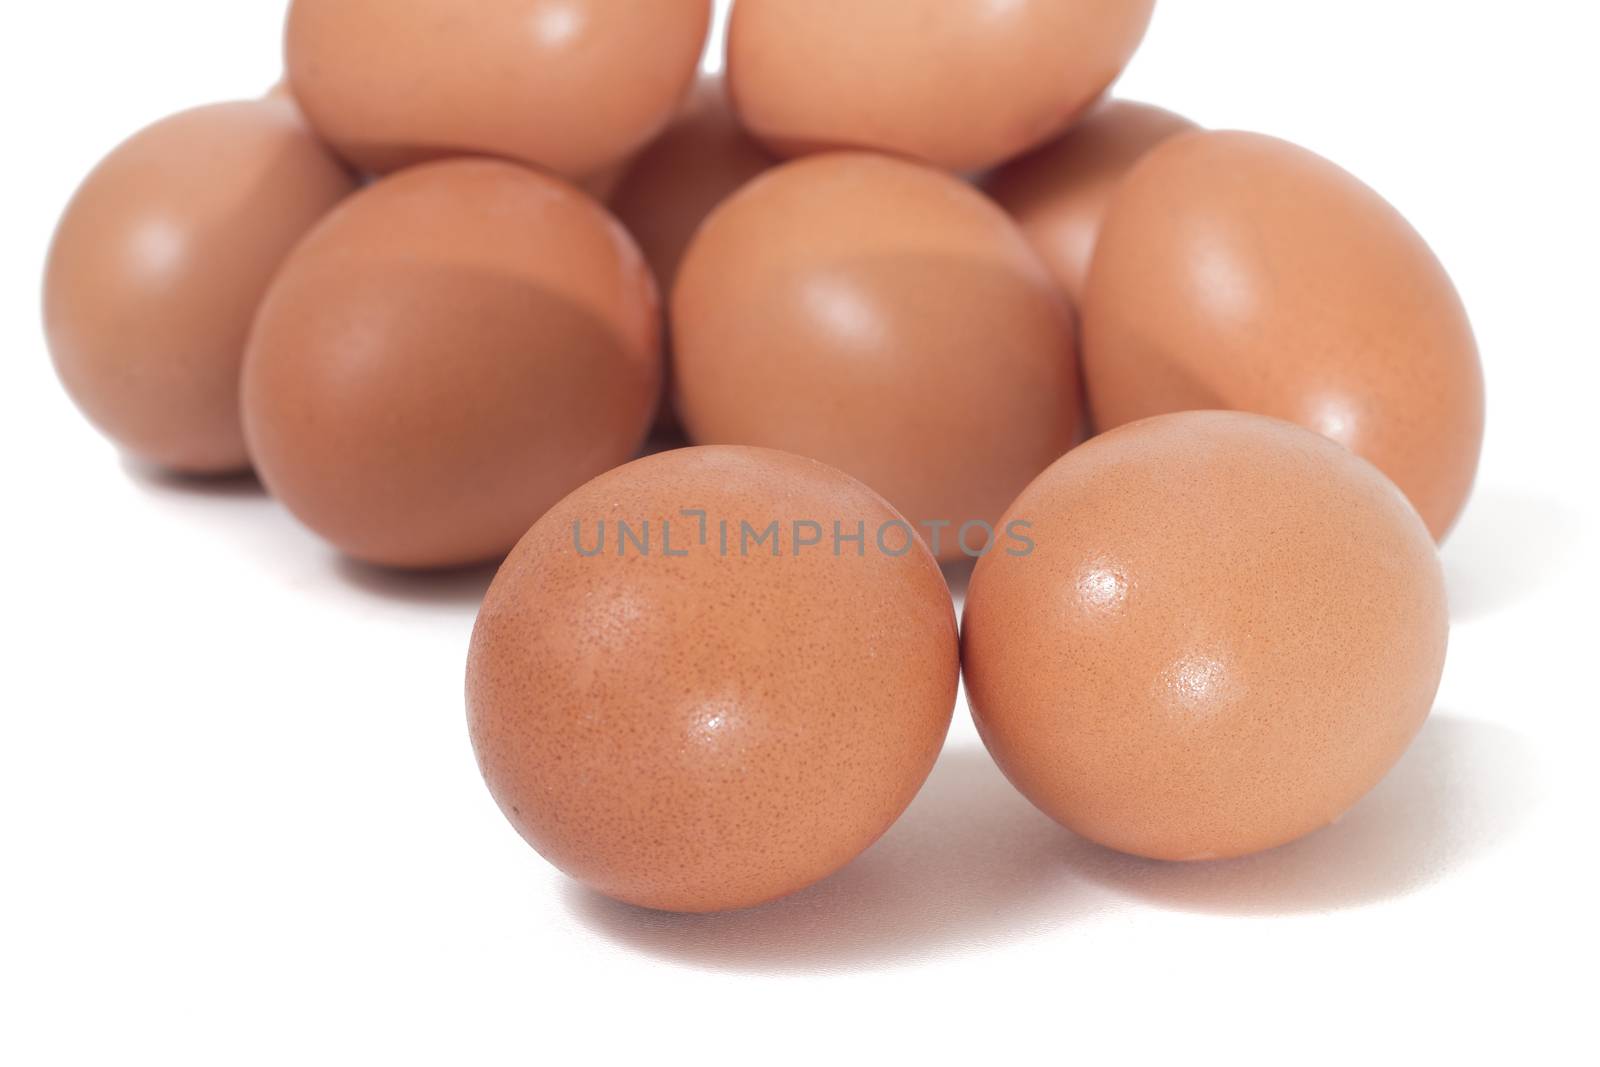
[
  {"x": 1239, "y": 271},
  {"x": 710, "y": 730},
  {"x": 886, "y": 318},
  {"x": 446, "y": 356},
  {"x": 1059, "y": 194},
  {"x": 961, "y": 84},
  {"x": 1227, "y": 632},
  {"x": 573, "y": 86},
  {"x": 159, "y": 264}
]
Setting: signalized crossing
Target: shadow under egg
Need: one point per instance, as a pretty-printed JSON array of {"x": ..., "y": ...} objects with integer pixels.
[
  {"x": 1508, "y": 545},
  {"x": 153, "y": 479},
  {"x": 458, "y": 587},
  {"x": 970, "y": 865},
  {"x": 1463, "y": 787}
]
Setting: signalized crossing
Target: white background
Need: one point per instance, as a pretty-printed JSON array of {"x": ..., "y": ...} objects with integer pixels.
[{"x": 242, "y": 824}]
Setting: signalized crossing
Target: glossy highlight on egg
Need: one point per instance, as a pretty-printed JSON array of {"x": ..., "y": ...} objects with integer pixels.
[
  {"x": 694, "y": 724},
  {"x": 158, "y": 267},
  {"x": 887, "y": 319},
  {"x": 1236, "y": 270},
  {"x": 456, "y": 349},
  {"x": 1229, "y": 630},
  {"x": 919, "y": 294},
  {"x": 960, "y": 84},
  {"x": 571, "y": 86}
]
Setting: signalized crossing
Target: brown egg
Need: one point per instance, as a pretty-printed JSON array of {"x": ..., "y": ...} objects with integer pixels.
[
  {"x": 449, "y": 354},
  {"x": 961, "y": 84},
  {"x": 887, "y": 319},
  {"x": 159, "y": 264},
  {"x": 702, "y": 159},
  {"x": 685, "y": 718},
  {"x": 1227, "y": 631},
  {"x": 573, "y": 86},
  {"x": 1059, "y": 194},
  {"x": 602, "y": 185},
  {"x": 1239, "y": 271}
]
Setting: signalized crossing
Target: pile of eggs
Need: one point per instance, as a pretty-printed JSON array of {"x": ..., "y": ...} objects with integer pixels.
[{"x": 1200, "y": 404}]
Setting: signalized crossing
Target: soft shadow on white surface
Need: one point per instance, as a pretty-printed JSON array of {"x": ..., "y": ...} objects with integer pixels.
[
  {"x": 240, "y": 502},
  {"x": 1508, "y": 545},
  {"x": 451, "y": 588},
  {"x": 199, "y": 486},
  {"x": 970, "y": 864},
  {"x": 1462, "y": 788},
  {"x": 234, "y": 511}
]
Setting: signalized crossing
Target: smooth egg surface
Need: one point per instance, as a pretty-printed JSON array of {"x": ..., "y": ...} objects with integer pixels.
[
  {"x": 887, "y": 319},
  {"x": 961, "y": 84},
  {"x": 703, "y": 158},
  {"x": 664, "y": 195},
  {"x": 1059, "y": 193},
  {"x": 572, "y": 86},
  {"x": 1239, "y": 271},
  {"x": 453, "y": 351},
  {"x": 1228, "y": 630},
  {"x": 686, "y": 718},
  {"x": 159, "y": 264}
]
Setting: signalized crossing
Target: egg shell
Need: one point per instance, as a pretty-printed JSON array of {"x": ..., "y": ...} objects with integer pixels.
[
  {"x": 449, "y": 354},
  {"x": 703, "y": 158},
  {"x": 885, "y": 318},
  {"x": 962, "y": 84},
  {"x": 1228, "y": 630},
  {"x": 1059, "y": 193},
  {"x": 573, "y": 86},
  {"x": 665, "y": 194},
  {"x": 1239, "y": 271},
  {"x": 601, "y": 186},
  {"x": 701, "y": 729},
  {"x": 158, "y": 266}
]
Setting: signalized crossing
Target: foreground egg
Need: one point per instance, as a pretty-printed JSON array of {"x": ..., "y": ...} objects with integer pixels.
[
  {"x": 1059, "y": 194},
  {"x": 159, "y": 264},
  {"x": 573, "y": 86},
  {"x": 961, "y": 84},
  {"x": 450, "y": 353},
  {"x": 1227, "y": 631},
  {"x": 685, "y": 717},
  {"x": 1239, "y": 271},
  {"x": 885, "y": 318}
]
